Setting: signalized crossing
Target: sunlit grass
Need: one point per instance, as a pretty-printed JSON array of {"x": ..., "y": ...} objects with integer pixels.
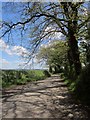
[{"x": 22, "y": 77}]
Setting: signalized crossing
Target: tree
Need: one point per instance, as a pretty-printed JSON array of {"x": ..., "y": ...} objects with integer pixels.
[
  {"x": 54, "y": 54},
  {"x": 85, "y": 51},
  {"x": 46, "y": 19}
]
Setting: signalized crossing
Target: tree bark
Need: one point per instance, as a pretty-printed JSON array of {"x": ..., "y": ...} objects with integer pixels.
[
  {"x": 74, "y": 53},
  {"x": 72, "y": 41}
]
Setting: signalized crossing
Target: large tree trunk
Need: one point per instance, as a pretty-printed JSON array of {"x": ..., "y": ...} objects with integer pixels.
[
  {"x": 74, "y": 53},
  {"x": 73, "y": 44}
]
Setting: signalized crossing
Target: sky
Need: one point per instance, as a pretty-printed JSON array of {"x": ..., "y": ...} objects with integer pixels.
[
  {"x": 10, "y": 57},
  {"x": 12, "y": 49},
  {"x": 10, "y": 53}
]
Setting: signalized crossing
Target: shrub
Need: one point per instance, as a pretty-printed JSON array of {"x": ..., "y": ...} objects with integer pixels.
[
  {"x": 62, "y": 75},
  {"x": 46, "y": 73},
  {"x": 14, "y": 77},
  {"x": 21, "y": 81},
  {"x": 82, "y": 89}
]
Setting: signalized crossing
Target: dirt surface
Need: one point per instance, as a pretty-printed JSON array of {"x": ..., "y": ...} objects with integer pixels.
[{"x": 42, "y": 99}]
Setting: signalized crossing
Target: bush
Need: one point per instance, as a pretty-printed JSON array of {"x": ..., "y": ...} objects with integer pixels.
[
  {"x": 62, "y": 75},
  {"x": 46, "y": 73},
  {"x": 21, "y": 77},
  {"x": 21, "y": 82},
  {"x": 82, "y": 89}
]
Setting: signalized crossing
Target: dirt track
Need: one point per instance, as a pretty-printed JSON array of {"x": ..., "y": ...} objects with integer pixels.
[{"x": 42, "y": 99}]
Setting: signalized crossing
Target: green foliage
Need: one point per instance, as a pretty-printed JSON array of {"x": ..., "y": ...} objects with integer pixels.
[
  {"x": 46, "y": 73},
  {"x": 54, "y": 54},
  {"x": 71, "y": 83},
  {"x": 21, "y": 77},
  {"x": 84, "y": 49},
  {"x": 62, "y": 75},
  {"x": 80, "y": 86},
  {"x": 82, "y": 89},
  {"x": 21, "y": 81},
  {"x": 72, "y": 86}
]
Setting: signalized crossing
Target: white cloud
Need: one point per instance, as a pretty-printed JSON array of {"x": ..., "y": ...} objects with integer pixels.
[
  {"x": 8, "y": 51},
  {"x": 5, "y": 47},
  {"x": 4, "y": 64},
  {"x": 19, "y": 50},
  {"x": 15, "y": 50},
  {"x": 3, "y": 61}
]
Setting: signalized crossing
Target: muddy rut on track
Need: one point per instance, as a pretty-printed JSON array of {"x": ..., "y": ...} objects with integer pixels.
[{"x": 42, "y": 99}]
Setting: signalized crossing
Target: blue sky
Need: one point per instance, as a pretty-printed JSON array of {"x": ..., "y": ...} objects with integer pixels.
[
  {"x": 12, "y": 51},
  {"x": 11, "y": 57}
]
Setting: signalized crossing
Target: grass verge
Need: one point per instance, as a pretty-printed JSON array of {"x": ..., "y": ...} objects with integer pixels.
[{"x": 21, "y": 77}]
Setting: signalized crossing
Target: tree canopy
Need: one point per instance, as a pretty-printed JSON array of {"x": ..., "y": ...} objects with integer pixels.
[{"x": 54, "y": 54}]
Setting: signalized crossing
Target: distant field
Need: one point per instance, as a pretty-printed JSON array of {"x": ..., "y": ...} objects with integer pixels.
[{"x": 21, "y": 77}]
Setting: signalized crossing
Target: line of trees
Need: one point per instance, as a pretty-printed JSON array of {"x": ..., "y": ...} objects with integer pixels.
[{"x": 55, "y": 55}]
